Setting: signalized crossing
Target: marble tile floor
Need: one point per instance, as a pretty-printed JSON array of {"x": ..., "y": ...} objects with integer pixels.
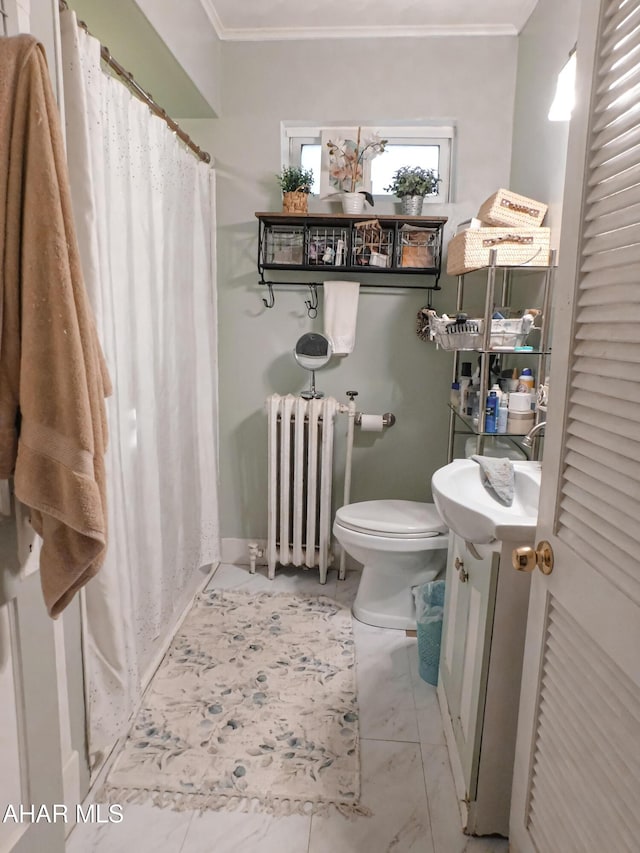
[{"x": 406, "y": 776}]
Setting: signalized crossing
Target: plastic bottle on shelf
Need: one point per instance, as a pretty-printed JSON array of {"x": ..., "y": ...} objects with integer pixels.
[
  {"x": 495, "y": 387},
  {"x": 473, "y": 405},
  {"x": 491, "y": 413},
  {"x": 503, "y": 415},
  {"x": 525, "y": 380},
  {"x": 455, "y": 395},
  {"x": 465, "y": 383}
]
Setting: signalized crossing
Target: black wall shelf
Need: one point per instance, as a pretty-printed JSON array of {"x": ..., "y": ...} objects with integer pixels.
[{"x": 383, "y": 247}]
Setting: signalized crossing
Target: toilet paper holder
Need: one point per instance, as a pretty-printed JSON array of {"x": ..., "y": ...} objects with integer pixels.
[{"x": 388, "y": 419}]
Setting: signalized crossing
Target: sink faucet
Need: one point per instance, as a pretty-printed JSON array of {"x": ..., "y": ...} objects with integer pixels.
[{"x": 527, "y": 441}]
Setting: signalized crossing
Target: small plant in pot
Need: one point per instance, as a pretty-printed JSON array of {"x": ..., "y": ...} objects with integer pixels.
[
  {"x": 411, "y": 184},
  {"x": 295, "y": 183}
]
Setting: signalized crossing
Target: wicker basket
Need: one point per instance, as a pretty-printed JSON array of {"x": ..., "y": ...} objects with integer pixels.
[
  {"x": 522, "y": 247},
  {"x": 507, "y": 208},
  {"x": 295, "y": 202}
]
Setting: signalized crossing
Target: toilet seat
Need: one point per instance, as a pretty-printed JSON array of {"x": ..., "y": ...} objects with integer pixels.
[{"x": 392, "y": 519}]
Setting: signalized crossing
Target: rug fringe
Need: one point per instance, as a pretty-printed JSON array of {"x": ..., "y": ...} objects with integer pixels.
[{"x": 224, "y": 802}]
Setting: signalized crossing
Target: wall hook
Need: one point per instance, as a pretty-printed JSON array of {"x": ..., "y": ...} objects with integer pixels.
[
  {"x": 312, "y": 304},
  {"x": 272, "y": 298}
]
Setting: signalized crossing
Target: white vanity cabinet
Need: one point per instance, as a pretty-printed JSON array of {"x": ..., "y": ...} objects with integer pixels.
[{"x": 483, "y": 635}]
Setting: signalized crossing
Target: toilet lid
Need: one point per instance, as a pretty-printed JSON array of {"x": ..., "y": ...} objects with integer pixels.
[{"x": 408, "y": 518}]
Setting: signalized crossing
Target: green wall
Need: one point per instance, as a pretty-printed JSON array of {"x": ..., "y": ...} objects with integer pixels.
[{"x": 467, "y": 81}]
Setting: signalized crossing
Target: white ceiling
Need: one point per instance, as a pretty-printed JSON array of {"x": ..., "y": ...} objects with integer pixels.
[{"x": 259, "y": 20}]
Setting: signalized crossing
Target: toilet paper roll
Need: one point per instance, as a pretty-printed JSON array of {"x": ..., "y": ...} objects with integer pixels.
[{"x": 371, "y": 423}]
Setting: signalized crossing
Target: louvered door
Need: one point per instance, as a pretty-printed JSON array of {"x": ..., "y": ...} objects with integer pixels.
[{"x": 577, "y": 773}]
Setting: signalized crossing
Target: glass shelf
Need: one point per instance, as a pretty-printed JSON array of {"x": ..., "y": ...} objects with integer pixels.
[
  {"x": 501, "y": 351},
  {"x": 473, "y": 429}
]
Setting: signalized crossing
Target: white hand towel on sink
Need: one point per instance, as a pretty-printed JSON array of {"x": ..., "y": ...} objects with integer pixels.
[
  {"x": 341, "y": 314},
  {"x": 497, "y": 477}
]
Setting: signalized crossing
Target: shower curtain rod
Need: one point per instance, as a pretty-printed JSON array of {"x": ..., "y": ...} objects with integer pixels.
[{"x": 137, "y": 89}]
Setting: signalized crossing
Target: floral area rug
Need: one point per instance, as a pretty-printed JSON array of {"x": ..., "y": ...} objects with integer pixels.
[{"x": 253, "y": 708}]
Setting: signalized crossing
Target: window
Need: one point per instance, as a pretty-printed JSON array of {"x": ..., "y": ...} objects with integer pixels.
[
  {"x": 417, "y": 145},
  {"x": 565, "y": 95}
]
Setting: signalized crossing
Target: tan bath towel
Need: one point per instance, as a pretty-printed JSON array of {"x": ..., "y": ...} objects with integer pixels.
[{"x": 52, "y": 375}]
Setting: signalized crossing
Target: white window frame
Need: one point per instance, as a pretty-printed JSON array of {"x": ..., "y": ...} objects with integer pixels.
[{"x": 294, "y": 136}]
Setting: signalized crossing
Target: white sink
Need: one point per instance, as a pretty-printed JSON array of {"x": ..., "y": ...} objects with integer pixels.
[{"x": 470, "y": 510}]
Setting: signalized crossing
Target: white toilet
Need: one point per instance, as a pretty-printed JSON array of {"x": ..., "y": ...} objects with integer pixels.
[{"x": 400, "y": 544}]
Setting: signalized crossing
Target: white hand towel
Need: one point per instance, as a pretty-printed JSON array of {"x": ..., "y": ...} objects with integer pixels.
[{"x": 341, "y": 314}]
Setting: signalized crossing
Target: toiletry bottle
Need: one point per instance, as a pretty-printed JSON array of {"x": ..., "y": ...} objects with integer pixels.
[
  {"x": 465, "y": 383},
  {"x": 503, "y": 415},
  {"x": 491, "y": 413},
  {"x": 472, "y": 407},
  {"x": 455, "y": 396},
  {"x": 498, "y": 391},
  {"x": 525, "y": 380}
]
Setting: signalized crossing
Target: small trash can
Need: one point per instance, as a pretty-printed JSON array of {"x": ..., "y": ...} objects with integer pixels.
[{"x": 429, "y": 598}]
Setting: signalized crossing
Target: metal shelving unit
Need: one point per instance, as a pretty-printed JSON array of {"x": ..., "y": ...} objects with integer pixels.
[{"x": 499, "y": 277}]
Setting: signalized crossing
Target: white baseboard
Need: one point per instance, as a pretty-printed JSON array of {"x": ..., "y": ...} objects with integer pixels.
[
  {"x": 236, "y": 551},
  {"x": 454, "y": 757}
]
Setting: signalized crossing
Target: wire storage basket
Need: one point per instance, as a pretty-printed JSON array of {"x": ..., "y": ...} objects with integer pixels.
[
  {"x": 372, "y": 244},
  {"x": 462, "y": 333},
  {"x": 416, "y": 247},
  {"x": 283, "y": 244},
  {"x": 327, "y": 245}
]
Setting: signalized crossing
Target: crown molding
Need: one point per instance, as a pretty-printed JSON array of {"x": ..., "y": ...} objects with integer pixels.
[
  {"x": 306, "y": 33},
  {"x": 212, "y": 14},
  {"x": 528, "y": 11}
]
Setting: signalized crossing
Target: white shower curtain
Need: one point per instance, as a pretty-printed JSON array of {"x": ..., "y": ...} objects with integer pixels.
[{"x": 144, "y": 209}]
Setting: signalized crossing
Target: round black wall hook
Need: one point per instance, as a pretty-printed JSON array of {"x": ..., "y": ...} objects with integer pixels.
[
  {"x": 312, "y": 304},
  {"x": 272, "y": 298}
]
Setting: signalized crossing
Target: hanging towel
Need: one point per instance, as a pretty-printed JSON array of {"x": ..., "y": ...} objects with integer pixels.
[
  {"x": 53, "y": 379},
  {"x": 341, "y": 314},
  {"x": 497, "y": 477}
]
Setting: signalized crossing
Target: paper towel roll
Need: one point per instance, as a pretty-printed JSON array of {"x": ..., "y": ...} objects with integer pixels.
[{"x": 371, "y": 423}]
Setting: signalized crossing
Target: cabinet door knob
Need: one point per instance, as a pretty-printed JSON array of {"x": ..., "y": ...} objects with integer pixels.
[{"x": 463, "y": 574}]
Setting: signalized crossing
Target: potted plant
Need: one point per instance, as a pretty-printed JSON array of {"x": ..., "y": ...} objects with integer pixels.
[
  {"x": 295, "y": 183},
  {"x": 346, "y": 168},
  {"x": 411, "y": 184}
]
